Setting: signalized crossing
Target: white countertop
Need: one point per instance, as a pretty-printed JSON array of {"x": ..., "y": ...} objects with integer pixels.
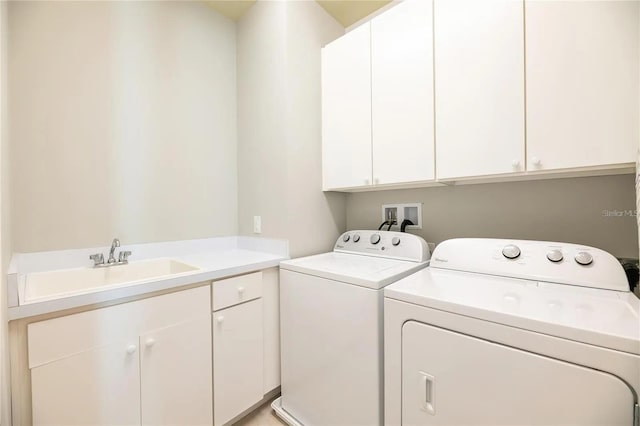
[{"x": 217, "y": 258}]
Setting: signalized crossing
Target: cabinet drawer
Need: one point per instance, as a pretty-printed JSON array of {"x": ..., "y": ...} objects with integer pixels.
[
  {"x": 236, "y": 290},
  {"x": 58, "y": 338}
]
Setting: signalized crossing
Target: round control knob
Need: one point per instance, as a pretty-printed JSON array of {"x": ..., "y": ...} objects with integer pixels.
[
  {"x": 131, "y": 349},
  {"x": 395, "y": 241},
  {"x": 511, "y": 251},
  {"x": 555, "y": 255},
  {"x": 345, "y": 237},
  {"x": 150, "y": 342},
  {"x": 375, "y": 239},
  {"x": 515, "y": 164},
  {"x": 356, "y": 238},
  {"x": 584, "y": 258}
]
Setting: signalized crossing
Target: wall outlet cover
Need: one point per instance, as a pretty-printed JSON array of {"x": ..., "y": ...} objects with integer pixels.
[{"x": 257, "y": 224}]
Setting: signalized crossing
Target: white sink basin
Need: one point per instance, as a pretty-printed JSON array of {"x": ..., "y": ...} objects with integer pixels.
[{"x": 66, "y": 282}]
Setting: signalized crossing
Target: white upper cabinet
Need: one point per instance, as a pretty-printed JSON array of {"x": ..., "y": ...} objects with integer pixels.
[
  {"x": 479, "y": 87},
  {"x": 445, "y": 90},
  {"x": 402, "y": 93},
  {"x": 346, "y": 110},
  {"x": 582, "y": 83}
]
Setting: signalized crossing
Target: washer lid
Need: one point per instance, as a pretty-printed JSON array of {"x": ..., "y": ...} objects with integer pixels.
[
  {"x": 366, "y": 271},
  {"x": 605, "y": 318}
]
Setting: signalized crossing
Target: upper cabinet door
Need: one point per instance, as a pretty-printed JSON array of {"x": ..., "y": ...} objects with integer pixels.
[
  {"x": 479, "y": 80},
  {"x": 402, "y": 93},
  {"x": 346, "y": 110},
  {"x": 582, "y": 83}
]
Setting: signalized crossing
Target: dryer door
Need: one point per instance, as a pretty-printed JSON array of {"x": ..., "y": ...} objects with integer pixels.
[{"x": 450, "y": 378}]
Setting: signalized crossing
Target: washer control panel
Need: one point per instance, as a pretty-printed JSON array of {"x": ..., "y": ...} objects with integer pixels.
[
  {"x": 584, "y": 258},
  {"x": 394, "y": 245},
  {"x": 562, "y": 263}
]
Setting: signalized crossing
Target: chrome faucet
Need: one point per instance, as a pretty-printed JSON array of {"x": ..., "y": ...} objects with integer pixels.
[
  {"x": 115, "y": 243},
  {"x": 123, "y": 256}
]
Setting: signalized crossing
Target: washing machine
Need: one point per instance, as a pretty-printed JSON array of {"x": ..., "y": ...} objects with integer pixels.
[
  {"x": 332, "y": 327},
  {"x": 506, "y": 332}
]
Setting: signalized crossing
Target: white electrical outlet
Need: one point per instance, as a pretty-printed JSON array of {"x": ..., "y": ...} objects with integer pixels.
[{"x": 257, "y": 224}]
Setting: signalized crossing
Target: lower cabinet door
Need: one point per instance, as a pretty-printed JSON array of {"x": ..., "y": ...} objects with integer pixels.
[
  {"x": 100, "y": 386},
  {"x": 176, "y": 378},
  {"x": 450, "y": 378},
  {"x": 237, "y": 359}
]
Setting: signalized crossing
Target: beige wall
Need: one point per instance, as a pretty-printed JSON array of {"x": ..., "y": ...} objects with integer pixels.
[
  {"x": 565, "y": 210},
  {"x": 5, "y": 223},
  {"x": 279, "y": 133},
  {"x": 123, "y": 123}
]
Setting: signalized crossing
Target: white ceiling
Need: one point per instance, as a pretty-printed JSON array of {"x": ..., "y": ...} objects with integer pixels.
[{"x": 347, "y": 12}]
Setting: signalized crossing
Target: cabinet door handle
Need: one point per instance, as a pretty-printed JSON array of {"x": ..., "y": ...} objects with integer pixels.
[
  {"x": 131, "y": 349},
  {"x": 427, "y": 391},
  {"x": 220, "y": 319},
  {"x": 376, "y": 181},
  {"x": 515, "y": 164},
  {"x": 536, "y": 161},
  {"x": 366, "y": 181},
  {"x": 150, "y": 342},
  {"x": 240, "y": 291}
]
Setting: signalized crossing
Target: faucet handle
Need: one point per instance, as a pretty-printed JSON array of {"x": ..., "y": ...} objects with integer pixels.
[
  {"x": 98, "y": 259},
  {"x": 123, "y": 256}
]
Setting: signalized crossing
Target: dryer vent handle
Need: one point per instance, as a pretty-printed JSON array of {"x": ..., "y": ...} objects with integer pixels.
[{"x": 427, "y": 392}]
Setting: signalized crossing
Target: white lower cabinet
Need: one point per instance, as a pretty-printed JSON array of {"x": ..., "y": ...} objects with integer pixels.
[
  {"x": 176, "y": 374},
  {"x": 144, "y": 362},
  {"x": 246, "y": 342},
  {"x": 157, "y": 361},
  {"x": 271, "y": 328},
  {"x": 237, "y": 359},
  {"x": 100, "y": 386}
]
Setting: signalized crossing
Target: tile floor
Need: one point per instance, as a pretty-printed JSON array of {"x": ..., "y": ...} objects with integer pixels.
[{"x": 263, "y": 416}]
